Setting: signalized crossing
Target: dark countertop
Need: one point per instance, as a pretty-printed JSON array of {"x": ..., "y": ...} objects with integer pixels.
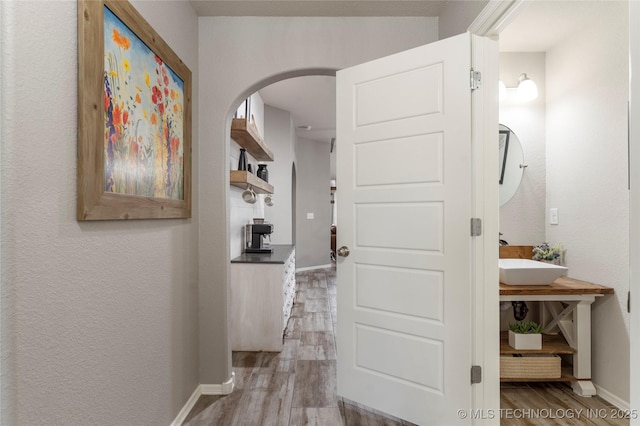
[{"x": 280, "y": 254}]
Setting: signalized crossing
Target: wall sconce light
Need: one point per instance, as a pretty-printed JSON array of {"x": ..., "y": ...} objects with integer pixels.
[{"x": 526, "y": 90}]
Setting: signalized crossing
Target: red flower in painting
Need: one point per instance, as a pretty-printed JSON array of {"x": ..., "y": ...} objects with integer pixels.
[
  {"x": 165, "y": 77},
  {"x": 161, "y": 108},
  {"x": 125, "y": 117},
  {"x": 158, "y": 60},
  {"x": 166, "y": 91},
  {"x": 156, "y": 94},
  {"x": 106, "y": 101}
]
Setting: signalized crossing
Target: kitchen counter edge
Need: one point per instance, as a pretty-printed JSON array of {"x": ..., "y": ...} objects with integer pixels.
[{"x": 280, "y": 254}]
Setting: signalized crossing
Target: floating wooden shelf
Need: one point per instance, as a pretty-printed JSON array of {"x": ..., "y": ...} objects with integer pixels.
[
  {"x": 247, "y": 136},
  {"x": 243, "y": 179},
  {"x": 551, "y": 344}
]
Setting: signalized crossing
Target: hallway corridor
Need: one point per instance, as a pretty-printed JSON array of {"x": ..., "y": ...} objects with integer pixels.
[{"x": 298, "y": 385}]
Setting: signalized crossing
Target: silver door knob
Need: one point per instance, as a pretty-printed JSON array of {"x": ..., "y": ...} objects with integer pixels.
[{"x": 343, "y": 251}]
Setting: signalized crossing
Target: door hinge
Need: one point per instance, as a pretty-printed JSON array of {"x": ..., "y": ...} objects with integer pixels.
[
  {"x": 476, "y": 227},
  {"x": 629, "y": 301},
  {"x": 476, "y": 374},
  {"x": 476, "y": 79}
]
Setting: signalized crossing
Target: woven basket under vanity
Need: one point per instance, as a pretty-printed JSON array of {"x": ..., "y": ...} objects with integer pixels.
[{"x": 530, "y": 366}]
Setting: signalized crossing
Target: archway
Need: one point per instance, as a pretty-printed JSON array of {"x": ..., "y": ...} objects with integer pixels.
[{"x": 232, "y": 66}]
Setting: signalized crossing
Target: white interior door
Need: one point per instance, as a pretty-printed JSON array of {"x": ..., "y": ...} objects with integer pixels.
[{"x": 404, "y": 291}]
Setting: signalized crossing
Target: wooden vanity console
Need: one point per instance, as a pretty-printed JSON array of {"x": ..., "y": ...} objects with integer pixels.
[{"x": 566, "y": 319}]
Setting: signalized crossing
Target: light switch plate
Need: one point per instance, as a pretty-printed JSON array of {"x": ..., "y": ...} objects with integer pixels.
[{"x": 553, "y": 216}]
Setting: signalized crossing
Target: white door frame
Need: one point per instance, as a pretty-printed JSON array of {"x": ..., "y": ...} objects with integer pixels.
[
  {"x": 634, "y": 202},
  {"x": 486, "y": 396}
]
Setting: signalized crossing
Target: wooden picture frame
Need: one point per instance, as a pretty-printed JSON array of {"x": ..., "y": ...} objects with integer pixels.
[
  {"x": 134, "y": 118},
  {"x": 503, "y": 149}
]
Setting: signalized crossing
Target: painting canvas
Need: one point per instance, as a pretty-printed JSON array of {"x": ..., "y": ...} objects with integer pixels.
[
  {"x": 134, "y": 118},
  {"x": 143, "y": 117}
]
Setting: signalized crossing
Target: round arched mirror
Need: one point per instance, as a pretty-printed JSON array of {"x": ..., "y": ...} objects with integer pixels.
[{"x": 511, "y": 164}]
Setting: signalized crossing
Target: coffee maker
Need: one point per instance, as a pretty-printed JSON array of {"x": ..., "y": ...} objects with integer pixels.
[{"x": 254, "y": 237}]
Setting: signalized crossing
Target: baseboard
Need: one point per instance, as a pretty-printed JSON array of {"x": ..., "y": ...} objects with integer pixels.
[
  {"x": 191, "y": 402},
  {"x": 611, "y": 398},
  {"x": 311, "y": 268},
  {"x": 223, "y": 389}
]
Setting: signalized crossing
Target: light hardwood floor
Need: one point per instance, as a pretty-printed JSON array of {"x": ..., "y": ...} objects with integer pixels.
[{"x": 297, "y": 386}]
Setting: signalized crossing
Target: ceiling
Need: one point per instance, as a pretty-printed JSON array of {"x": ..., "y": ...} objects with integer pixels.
[
  {"x": 318, "y": 7},
  {"x": 311, "y": 100}
]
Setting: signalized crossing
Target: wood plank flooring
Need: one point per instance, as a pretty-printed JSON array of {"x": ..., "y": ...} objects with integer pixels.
[{"x": 297, "y": 386}]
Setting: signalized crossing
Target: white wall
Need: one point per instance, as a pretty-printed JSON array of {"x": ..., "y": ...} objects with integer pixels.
[
  {"x": 522, "y": 218},
  {"x": 280, "y": 136},
  {"x": 99, "y": 319},
  {"x": 587, "y": 92},
  {"x": 240, "y": 55},
  {"x": 456, "y": 16},
  {"x": 313, "y": 196}
]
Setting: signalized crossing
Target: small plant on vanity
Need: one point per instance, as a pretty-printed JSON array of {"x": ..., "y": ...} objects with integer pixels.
[
  {"x": 548, "y": 253},
  {"x": 525, "y": 335}
]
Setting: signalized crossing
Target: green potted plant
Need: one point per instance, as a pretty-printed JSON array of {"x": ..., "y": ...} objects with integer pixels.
[{"x": 525, "y": 335}]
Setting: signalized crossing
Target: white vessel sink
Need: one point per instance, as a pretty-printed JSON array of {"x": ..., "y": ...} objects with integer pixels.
[{"x": 528, "y": 272}]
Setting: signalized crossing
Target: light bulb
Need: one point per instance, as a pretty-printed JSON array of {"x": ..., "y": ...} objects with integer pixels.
[{"x": 527, "y": 89}]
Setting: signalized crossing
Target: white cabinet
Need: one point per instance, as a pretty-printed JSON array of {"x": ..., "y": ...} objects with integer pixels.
[{"x": 262, "y": 294}]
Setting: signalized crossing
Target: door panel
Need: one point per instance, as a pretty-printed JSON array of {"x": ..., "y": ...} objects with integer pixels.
[
  {"x": 424, "y": 165},
  {"x": 404, "y": 292}
]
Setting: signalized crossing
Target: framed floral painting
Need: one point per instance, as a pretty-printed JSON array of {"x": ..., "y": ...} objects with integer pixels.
[{"x": 134, "y": 118}]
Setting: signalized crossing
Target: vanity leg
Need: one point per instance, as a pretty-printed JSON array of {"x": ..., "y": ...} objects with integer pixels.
[
  {"x": 582, "y": 335},
  {"x": 583, "y": 388}
]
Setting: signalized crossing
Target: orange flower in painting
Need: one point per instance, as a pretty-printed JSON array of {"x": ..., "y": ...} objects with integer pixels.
[
  {"x": 154, "y": 118},
  {"x": 121, "y": 40},
  {"x": 125, "y": 117},
  {"x": 138, "y": 99},
  {"x": 117, "y": 115},
  {"x": 175, "y": 108},
  {"x": 175, "y": 144}
]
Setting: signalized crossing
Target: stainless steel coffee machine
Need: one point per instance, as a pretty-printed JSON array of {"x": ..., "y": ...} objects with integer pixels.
[{"x": 254, "y": 236}]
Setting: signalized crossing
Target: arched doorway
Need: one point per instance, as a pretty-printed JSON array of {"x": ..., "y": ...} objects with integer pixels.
[{"x": 235, "y": 62}]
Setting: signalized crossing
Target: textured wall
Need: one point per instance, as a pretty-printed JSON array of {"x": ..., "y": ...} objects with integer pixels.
[
  {"x": 280, "y": 135},
  {"x": 240, "y": 56},
  {"x": 312, "y": 196},
  {"x": 456, "y": 16},
  {"x": 99, "y": 319},
  {"x": 522, "y": 217},
  {"x": 587, "y": 93}
]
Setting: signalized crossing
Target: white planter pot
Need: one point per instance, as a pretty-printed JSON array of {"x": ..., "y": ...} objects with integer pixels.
[{"x": 525, "y": 341}]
